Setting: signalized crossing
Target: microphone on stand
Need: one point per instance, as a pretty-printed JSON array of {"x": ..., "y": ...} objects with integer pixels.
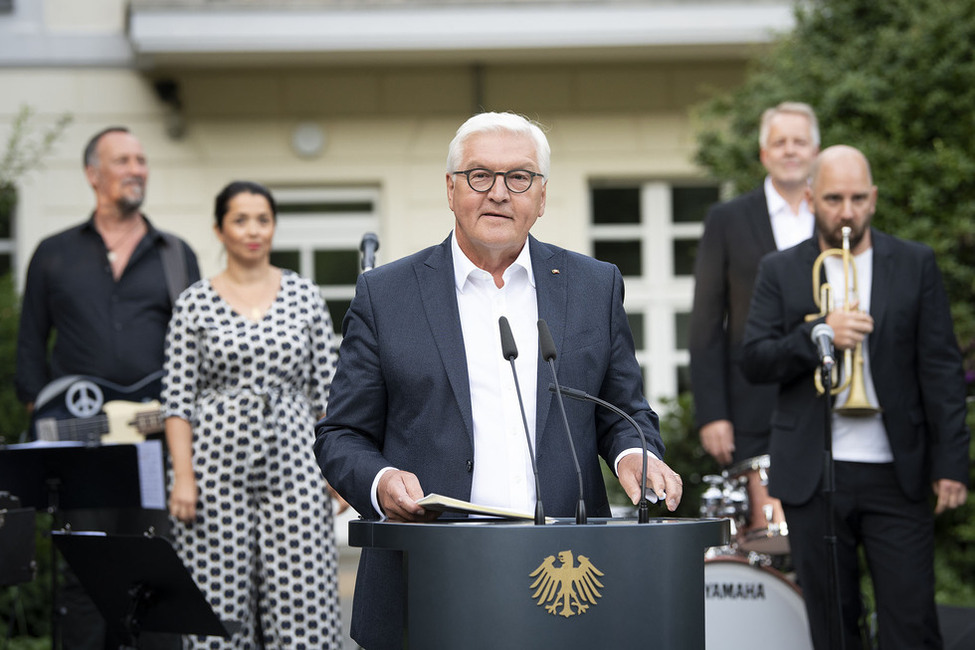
[
  {"x": 510, "y": 352},
  {"x": 547, "y": 346},
  {"x": 822, "y": 337},
  {"x": 644, "y": 505},
  {"x": 368, "y": 248}
]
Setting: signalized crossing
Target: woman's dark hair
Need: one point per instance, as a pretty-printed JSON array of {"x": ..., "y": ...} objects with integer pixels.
[{"x": 240, "y": 187}]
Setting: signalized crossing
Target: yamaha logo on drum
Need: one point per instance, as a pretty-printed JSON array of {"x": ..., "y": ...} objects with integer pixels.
[{"x": 735, "y": 590}]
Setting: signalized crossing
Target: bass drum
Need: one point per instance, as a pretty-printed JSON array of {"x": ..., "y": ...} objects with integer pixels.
[{"x": 748, "y": 607}]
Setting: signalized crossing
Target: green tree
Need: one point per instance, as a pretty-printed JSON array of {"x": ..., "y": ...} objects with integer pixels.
[
  {"x": 25, "y": 608},
  {"x": 27, "y": 145},
  {"x": 895, "y": 79},
  {"x": 13, "y": 416},
  {"x": 25, "y": 150}
]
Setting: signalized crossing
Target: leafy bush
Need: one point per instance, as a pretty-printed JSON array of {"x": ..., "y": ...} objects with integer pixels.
[
  {"x": 13, "y": 416},
  {"x": 897, "y": 80}
]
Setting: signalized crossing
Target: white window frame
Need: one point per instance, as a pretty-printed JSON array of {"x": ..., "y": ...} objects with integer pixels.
[
  {"x": 657, "y": 293},
  {"x": 308, "y": 232}
]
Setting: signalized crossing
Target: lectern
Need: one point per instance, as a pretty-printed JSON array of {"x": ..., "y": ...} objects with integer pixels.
[{"x": 611, "y": 583}]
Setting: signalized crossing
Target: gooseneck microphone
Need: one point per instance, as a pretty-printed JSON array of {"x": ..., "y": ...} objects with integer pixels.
[
  {"x": 547, "y": 346},
  {"x": 643, "y": 511},
  {"x": 822, "y": 337},
  {"x": 510, "y": 352},
  {"x": 368, "y": 248}
]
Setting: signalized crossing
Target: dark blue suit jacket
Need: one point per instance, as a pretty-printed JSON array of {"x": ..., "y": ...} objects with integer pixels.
[
  {"x": 401, "y": 398},
  {"x": 915, "y": 363}
]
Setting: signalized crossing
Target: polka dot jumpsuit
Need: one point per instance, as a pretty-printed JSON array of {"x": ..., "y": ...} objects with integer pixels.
[{"x": 262, "y": 547}]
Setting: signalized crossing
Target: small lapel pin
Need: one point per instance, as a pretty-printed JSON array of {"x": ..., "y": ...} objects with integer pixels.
[{"x": 555, "y": 271}]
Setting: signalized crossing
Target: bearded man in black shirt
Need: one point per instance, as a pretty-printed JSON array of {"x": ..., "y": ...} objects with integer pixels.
[{"x": 105, "y": 289}]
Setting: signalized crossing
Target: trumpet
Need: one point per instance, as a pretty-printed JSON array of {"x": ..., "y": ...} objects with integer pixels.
[{"x": 857, "y": 403}]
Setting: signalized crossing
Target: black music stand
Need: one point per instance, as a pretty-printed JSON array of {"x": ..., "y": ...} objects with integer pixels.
[
  {"x": 66, "y": 476},
  {"x": 17, "y": 547},
  {"x": 139, "y": 584},
  {"x": 69, "y": 476}
]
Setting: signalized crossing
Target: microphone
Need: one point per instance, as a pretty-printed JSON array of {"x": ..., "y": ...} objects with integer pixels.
[
  {"x": 368, "y": 248},
  {"x": 510, "y": 352},
  {"x": 547, "y": 346},
  {"x": 822, "y": 338},
  {"x": 644, "y": 505}
]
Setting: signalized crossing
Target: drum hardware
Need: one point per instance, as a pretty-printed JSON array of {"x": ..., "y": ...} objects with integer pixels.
[{"x": 740, "y": 494}]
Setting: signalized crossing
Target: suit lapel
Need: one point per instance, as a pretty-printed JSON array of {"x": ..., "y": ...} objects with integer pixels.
[
  {"x": 759, "y": 220},
  {"x": 550, "y": 292},
  {"x": 809, "y": 252},
  {"x": 880, "y": 289},
  {"x": 435, "y": 275}
]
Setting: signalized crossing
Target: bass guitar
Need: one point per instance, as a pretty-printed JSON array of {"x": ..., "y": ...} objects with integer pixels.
[{"x": 92, "y": 410}]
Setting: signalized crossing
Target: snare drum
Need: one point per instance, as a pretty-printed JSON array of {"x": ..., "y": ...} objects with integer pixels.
[
  {"x": 748, "y": 607},
  {"x": 766, "y": 530}
]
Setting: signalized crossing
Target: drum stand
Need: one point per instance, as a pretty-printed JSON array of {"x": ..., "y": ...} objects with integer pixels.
[{"x": 834, "y": 610}]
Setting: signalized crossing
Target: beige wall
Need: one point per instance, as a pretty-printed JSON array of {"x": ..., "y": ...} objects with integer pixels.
[{"x": 385, "y": 127}]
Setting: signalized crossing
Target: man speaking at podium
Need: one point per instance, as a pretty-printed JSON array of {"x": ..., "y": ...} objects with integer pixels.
[{"x": 424, "y": 402}]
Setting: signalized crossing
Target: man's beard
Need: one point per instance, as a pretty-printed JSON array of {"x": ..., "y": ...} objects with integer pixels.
[
  {"x": 834, "y": 238},
  {"x": 130, "y": 204}
]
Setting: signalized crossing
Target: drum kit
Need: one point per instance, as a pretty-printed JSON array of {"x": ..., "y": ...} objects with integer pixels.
[{"x": 748, "y": 584}]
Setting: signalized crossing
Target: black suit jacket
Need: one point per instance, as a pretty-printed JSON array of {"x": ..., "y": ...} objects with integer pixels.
[
  {"x": 914, "y": 356},
  {"x": 401, "y": 398},
  {"x": 737, "y": 234}
]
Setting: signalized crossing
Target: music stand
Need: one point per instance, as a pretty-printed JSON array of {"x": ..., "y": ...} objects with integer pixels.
[
  {"x": 17, "y": 545},
  {"x": 139, "y": 584},
  {"x": 66, "y": 476}
]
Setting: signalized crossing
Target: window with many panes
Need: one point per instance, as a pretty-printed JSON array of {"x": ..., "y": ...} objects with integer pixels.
[
  {"x": 650, "y": 231},
  {"x": 318, "y": 234}
]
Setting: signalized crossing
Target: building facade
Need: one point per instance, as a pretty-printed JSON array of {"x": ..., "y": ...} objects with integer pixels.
[{"x": 345, "y": 108}]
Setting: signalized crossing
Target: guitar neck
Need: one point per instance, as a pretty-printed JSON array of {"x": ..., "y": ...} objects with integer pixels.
[
  {"x": 89, "y": 430},
  {"x": 121, "y": 422},
  {"x": 149, "y": 422}
]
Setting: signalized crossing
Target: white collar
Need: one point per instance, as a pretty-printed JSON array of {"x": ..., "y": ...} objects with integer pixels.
[{"x": 463, "y": 266}]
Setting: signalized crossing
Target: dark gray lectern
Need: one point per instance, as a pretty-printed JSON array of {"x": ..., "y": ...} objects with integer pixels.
[{"x": 611, "y": 583}]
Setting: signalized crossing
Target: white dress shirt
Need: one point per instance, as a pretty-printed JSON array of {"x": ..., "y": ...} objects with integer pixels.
[
  {"x": 502, "y": 466},
  {"x": 788, "y": 227},
  {"x": 858, "y": 439}
]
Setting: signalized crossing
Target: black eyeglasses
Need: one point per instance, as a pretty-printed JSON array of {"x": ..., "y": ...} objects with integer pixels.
[{"x": 516, "y": 180}]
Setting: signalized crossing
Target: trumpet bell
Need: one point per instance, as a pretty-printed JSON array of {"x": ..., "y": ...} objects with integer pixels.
[{"x": 863, "y": 411}]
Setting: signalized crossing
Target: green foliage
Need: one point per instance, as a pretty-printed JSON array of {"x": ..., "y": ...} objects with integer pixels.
[
  {"x": 26, "y": 146},
  {"x": 684, "y": 452},
  {"x": 13, "y": 416},
  {"x": 954, "y": 532},
  {"x": 26, "y": 608},
  {"x": 896, "y": 80},
  {"x": 684, "y": 455}
]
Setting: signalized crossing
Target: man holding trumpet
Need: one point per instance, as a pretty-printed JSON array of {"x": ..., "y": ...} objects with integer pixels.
[{"x": 907, "y": 431}]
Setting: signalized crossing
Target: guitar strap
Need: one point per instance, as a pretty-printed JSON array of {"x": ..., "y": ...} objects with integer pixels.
[{"x": 174, "y": 265}]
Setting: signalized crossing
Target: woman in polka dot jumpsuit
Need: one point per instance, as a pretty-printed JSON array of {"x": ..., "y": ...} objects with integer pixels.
[{"x": 249, "y": 357}]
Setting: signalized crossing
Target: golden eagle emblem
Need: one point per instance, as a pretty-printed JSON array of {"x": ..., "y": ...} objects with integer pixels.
[{"x": 567, "y": 588}]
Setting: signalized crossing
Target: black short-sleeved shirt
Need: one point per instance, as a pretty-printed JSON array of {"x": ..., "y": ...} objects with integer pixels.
[{"x": 113, "y": 330}]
